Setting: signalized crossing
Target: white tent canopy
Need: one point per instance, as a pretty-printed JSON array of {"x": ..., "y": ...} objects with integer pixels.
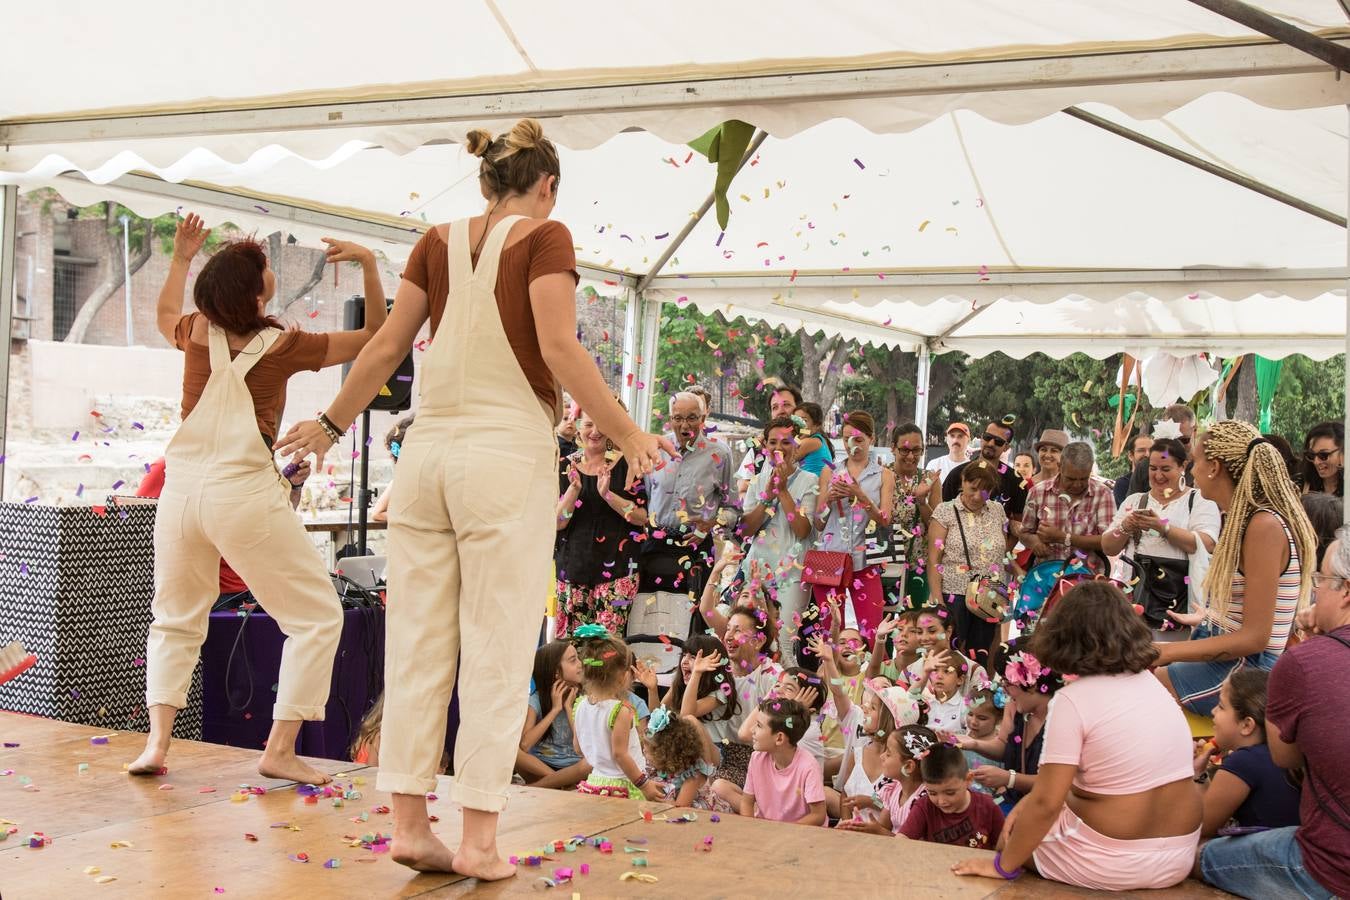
[{"x": 919, "y": 186}]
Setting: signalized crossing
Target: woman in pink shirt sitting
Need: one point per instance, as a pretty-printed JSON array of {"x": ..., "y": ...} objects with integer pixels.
[{"x": 1114, "y": 807}]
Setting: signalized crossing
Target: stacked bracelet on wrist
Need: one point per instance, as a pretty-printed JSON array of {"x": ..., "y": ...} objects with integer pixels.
[
  {"x": 334, "y": 434},
  {"x": 642, "y": 779}
]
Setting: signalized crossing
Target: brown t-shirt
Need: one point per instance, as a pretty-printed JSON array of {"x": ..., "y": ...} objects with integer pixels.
[
  {"x": 547, "y": 250},
  {"x": 293, "y": 352}
]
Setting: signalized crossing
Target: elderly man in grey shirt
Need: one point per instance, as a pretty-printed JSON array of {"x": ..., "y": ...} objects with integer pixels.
[{"x": 685, "y": 500}]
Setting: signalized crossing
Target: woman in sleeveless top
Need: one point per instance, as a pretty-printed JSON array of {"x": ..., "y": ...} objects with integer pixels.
[
  {"x": 471, "y": 515},
  {"x": 223, "y": 498},
  {"x": 853, "y": 511},
  {"x": 1257, "y": 579}
]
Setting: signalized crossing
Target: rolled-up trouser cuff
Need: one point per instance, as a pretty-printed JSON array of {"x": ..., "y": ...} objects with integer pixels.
[{"x": 394, "y": 783}]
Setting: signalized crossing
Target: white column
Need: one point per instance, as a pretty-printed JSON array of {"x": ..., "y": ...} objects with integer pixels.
[
  {"x": 632, "y": 321},
  {"x": 9, "y": 235},
  {"x": 650, "y": 312},
  {"x": 921, "y": 392}
]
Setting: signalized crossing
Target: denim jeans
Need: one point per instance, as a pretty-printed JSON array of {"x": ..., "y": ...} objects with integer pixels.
[{"x": 1262, "y": 865}]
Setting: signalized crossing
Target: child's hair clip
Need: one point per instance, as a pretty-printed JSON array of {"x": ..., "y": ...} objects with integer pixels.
[
  {"x": 593, "y": 630},
  {"x": 658, "y": 721}
]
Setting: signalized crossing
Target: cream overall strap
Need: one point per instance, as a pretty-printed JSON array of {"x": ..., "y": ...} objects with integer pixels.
[{"x": 219, "y": 346}]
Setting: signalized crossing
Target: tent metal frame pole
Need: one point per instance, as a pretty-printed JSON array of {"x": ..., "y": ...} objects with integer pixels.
[
  {"x": 921, "y": 381},
  {"x": 697, "y": 217},
  {"x": 1329, "y": 52},
  {"x": 1205, "y": 165},
  {"x": 632, "y": 321},
  {"x": 879, "y": 280},
  {"x": 1220, "y": 60},
  {"x": 9, "y": 239},
  {"x": 651, "y": 327}
]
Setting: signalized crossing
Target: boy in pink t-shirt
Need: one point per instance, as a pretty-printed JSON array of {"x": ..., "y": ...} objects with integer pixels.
[{"x": 783, "y": 782}]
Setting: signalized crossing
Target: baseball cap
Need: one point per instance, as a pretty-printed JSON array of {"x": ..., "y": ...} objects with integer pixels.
[{"x": 958, "y": 426}]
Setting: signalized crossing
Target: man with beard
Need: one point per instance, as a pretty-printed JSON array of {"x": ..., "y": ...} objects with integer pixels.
[
  {"x": 685, "y": 498},
  {"x": 997, "y": 437}
]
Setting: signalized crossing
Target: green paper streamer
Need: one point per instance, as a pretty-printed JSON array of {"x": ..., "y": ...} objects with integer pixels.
[
  {"x": 724, "y": 146},
  {"x": 1267, "y": 383}
]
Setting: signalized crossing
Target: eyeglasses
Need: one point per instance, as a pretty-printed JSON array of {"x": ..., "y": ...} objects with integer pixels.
[
  {"x": 686, "y": 420},
  {"x": 995, "y": 440},
  {"x": 1320, "y": 455},
  {"x": 908, "y": 451},
  {"x": 1319, "y": 580}
]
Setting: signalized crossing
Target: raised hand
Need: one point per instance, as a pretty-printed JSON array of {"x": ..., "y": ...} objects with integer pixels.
[
  {"x": 822, "y": 650},
  {"x": 707, "y": 663},
  {"x": 644, "y": 674},
  {"x": 643, "y": 452},
  {"x": 888, "y": 625},
  {"x": 602, "y": 481},
  {"x": 559, "y": 695},
  {"x": 808, "y": 696},
  {"x": 189, "y": 236},
  {"x": 347, "y": 251},
  {"x": 941, "y": 658}
]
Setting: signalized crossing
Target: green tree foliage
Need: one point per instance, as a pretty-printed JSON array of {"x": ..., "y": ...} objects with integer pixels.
[
  {"x": 1310, "y": 392},
  {"x": 1072, "y": 393}
]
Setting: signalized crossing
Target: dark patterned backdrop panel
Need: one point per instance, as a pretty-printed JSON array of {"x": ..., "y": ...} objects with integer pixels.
[{"x": 75, "y": 588}]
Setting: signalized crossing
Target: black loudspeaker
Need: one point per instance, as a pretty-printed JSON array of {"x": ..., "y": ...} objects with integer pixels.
[{"x": 396, "y": 395}]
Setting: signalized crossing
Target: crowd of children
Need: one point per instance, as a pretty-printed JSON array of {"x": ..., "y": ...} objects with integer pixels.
[{"x": 935, "y": 749}]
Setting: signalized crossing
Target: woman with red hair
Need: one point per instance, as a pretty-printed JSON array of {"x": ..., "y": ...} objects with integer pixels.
[{"x": 223, "y": 497}]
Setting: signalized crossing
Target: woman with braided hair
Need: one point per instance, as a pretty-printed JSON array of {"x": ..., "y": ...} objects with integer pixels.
[{"x": 1257, "y": 579}]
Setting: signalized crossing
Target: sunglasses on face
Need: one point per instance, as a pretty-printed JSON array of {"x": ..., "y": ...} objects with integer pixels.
[
  {"x": 995, "y": 440},
  {"x": 1320, "y": 455}
]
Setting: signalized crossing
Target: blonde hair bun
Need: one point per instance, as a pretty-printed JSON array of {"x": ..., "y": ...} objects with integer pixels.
[
  {"x": 525, "y": 135},
  {"x": 477, "y": 141}
]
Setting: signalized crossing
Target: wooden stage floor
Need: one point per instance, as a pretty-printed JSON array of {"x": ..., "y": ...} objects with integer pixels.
[{"x": 185, "y": 834}]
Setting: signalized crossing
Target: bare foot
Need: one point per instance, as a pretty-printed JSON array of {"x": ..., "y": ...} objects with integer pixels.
[
  {"x": 485, "y": 866},
  {"x": 289, "y": 767},
  {"x": 424, "y": 853},
  {"x": 151, "y": 760}
]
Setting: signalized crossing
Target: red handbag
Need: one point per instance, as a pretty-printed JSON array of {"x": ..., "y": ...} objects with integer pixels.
[{"x": 827, "y": 568}]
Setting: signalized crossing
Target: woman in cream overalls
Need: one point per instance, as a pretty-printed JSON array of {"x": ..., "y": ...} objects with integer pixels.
[
  {"x": 471, "y": 523},
  {"x": 223, "y": 496}
]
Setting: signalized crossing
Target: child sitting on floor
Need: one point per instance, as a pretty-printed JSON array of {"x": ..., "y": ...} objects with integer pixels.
[
  {"x": 905, "y": 628},
  {"x": 949, "y": 812},
  {"x": 884, "y": 708},
  {"x": 984, "y": 711},
  {"x": 747, "y": 632},
  {"x": 683, "y": 758},
  {"x": 704, "y": 687},
  {"x": 945, "y": 687},
  {"x": 1247, "y": 787},
  {"x": 547, "y": 756},
  {"x": 903, "y": 784},
  {"x": 604, "y": 729},
  {"x": 784, "y": 782},
  {"x": 365, "y": 746},
  {"x": 934, "y": 635}
]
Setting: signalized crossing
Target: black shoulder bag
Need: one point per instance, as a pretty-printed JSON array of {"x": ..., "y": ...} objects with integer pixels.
[{"x": 1161, "y": 582}]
